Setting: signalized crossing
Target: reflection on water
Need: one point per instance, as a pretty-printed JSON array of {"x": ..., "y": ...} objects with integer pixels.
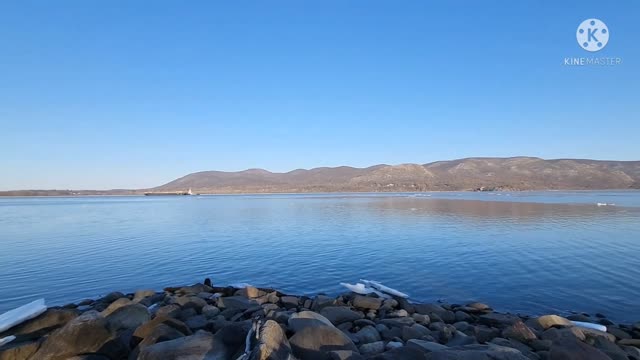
[
  {"x": 515, "y": 211},
  {"x": 527, "y": 252}
]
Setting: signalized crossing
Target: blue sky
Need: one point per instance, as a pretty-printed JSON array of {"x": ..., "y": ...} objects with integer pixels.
[{"x": 118, "y": 94}]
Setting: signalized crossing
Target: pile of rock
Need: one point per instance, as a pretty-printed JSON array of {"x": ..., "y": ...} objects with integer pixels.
[{"x": 207, "y": 322}]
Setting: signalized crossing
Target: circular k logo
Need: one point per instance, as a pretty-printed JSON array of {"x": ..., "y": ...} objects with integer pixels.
[{"x": 592, "y": 35}]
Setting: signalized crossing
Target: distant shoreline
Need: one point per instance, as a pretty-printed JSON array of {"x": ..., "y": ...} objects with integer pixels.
[{"x": 3, "y": 195}]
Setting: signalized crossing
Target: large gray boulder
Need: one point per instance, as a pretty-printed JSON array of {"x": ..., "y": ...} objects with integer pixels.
[
  {"x": 236, "y": 303},
  {"x": 389, "y": 333},
  {"x": 459, "y": 339},
  {"x": 193, "y": 289},
  {"x": 111, "y": 297},
  {"x": 630, "y": 342},
  {"x": 398, "y": 322},
  {"x": 290, "y": 302},
  {"x": 478, "y": 352},
  {"x": 128, "y": 317},
  {"x": 322, "y": 301},
  {"x": 172, "y": 310},
  {"x": 519, "y": 331},
  {"x": 367, "y": 334},
  {"x": 197, "y": 322},
  {"x": 345, "y": 355},
  {"x": 483, "y": 333},
  {"x": 477, "y": 307},
  {"x": 618, "y": 333},
  {"x": 548, "y": 321},
  {"x": 426, "y": 346},
  {"x": 431, "y": 309},
  {"x": 272, "y": 343},
  {"x": 562, "y": 335},
  {"x": 122, "y": 302},
  {"x": 38, "y": 326},
  {"x": 497, "y": 319},
  {"x": 415, "y": 331},
  {"x": 202, "y": 346},
  {"x": 340, "y": 314},
  {"x": 593, "y": 334},
  {"x": 161, "y": 332},
  {"x": 302, "y": 319},
  {"x": 190, "y": 302},
  {"x": 402, "y": 353},
  {"x": 315, "y": 342},
  {"x": 575, "y": 350},
  {"x": 147, "y": 328},
  {"x": 210, "y": 311},
  {"x": 19, "y": 350},
  {"x": 89, "y": 333},
  {"x": 367, "y": 302},
  {"x": 611, "y": 349},
  {"x": 372, "y": 348},
  {"x": 250, "y": 292},
  {"x": 143, "y": 294}
]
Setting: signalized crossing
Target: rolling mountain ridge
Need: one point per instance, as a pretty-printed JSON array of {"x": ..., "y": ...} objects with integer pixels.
[
  {"x": 517, "y": 173},
  {"x": 483, "y": 174}
]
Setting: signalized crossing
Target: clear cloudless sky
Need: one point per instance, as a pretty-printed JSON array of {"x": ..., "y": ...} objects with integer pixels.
[{"x": 129, "y": 94}]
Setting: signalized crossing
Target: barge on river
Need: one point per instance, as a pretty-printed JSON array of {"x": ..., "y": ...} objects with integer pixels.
[{"x": 168, "y": 193}]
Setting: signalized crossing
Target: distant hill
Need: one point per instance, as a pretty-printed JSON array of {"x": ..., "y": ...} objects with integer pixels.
[
  {"x": 517, "y": 173},
  {"x": 485, "y": 174}
]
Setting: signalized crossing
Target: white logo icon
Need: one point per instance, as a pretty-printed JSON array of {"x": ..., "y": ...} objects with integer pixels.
[{"x": 592, "y": 35}]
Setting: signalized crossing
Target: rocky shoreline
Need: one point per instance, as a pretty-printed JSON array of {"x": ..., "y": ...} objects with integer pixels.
[{"x": 203, "y": 321}]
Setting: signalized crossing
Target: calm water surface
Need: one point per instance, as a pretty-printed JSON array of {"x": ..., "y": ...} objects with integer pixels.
[{"x": 521, "y": 252}]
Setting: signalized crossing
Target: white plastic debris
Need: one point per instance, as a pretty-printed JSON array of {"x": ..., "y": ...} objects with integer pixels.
[
  {"x": 365, "y": 289},
  {"x": 19, "y": 315},
  {"x": 590, "y": 325},
  {"x": 6, "y": 340},
  {"x": 358, "y": 288},
  {"x": 154, "y": 307},
  {"x": 385, "y": 289}
]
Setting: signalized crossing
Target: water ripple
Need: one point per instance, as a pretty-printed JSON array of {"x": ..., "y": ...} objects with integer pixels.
[{"x": 530, "y": 252}]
